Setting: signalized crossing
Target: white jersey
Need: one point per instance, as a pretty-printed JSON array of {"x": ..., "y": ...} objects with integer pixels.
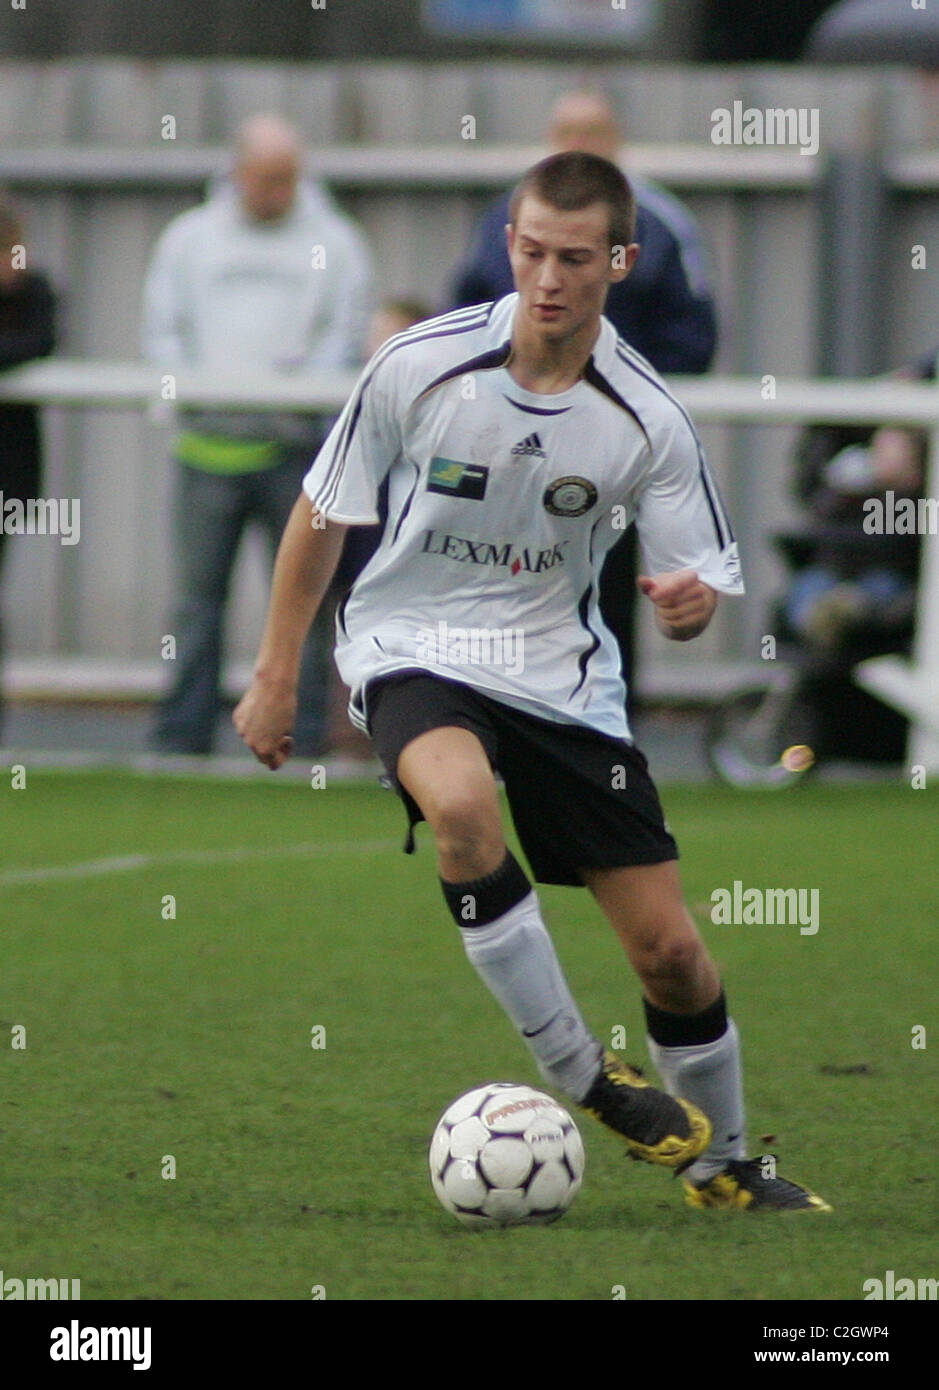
[{"x": 501, "y": 506}]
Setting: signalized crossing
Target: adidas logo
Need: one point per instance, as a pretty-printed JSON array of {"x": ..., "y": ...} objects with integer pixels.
[{"x": 531, "y": 446}]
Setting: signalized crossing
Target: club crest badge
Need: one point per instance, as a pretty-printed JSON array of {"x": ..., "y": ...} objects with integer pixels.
[{"x": 570, "y": 496}]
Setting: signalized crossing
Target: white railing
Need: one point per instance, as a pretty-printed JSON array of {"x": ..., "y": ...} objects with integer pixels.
[
  {"x": 132, "y": 385},
  {"x": 912, "y": 687},
  {"x": 465, "y": 165}
]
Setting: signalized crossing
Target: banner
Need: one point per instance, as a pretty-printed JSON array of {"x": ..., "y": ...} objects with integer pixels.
[{"x": 619, "y": 22}]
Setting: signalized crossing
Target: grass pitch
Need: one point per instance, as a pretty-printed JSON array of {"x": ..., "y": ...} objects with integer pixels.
[{"x": 157, "y": 1043}]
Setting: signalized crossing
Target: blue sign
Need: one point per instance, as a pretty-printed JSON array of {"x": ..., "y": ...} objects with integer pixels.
[{"x": 589, "y": 21}]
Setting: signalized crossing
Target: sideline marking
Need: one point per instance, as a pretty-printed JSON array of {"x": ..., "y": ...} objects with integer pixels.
[{"x": 129, "y": 863}]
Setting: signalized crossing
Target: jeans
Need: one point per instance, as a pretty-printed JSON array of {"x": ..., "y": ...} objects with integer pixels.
[
  {"x": 211, "y": 511},
  {"x": 810, "y": 585}
]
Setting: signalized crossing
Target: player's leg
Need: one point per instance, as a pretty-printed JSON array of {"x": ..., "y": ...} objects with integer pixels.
[
  {"x": 645, "y": 906},
  {"x": 693, "y": 1042},
  {"x": 553, "y": 796},
  {"x": 438, "y": 740},
  {"x": 447, "y": 771}
]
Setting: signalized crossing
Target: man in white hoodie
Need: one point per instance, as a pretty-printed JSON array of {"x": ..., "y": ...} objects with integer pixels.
[{"x": 266, "y": 274}]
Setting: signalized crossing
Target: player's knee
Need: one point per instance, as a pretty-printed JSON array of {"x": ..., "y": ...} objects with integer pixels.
[
  {"x": 467, "y": 828},
  {"x": 669, "y": 958}
]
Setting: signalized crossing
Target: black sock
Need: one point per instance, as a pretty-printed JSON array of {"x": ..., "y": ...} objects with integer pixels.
[
  {"x": 687, "y": 1030},
  {"x": 479, "y": 901}
]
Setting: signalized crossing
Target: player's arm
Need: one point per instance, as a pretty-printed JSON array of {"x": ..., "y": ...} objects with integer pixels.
[
  {"x": 686, "y": 537},
  {"x": 684, "y": 604},
  {"x": 339, "y": 491},
  {"x": 306, "y": 560}
]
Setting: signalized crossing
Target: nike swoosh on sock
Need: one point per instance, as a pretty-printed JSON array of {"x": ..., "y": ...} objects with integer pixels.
[{"x": 536, "y": 1031}]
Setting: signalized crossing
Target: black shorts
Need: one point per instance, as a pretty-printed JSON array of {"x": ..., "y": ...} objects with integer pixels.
[{"x": 579, "y": 799}]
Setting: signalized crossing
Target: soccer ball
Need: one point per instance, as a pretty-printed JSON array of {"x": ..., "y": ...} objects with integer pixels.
[{"x": 506, "y": 1155}]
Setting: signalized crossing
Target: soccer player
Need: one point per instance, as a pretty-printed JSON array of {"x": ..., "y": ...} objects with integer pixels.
[
  {"x": 517, "y": 439},
  {"x": 665, "y": 307}
]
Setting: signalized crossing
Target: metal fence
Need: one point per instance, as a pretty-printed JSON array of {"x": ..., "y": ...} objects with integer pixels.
[
  {"x": 82, "y": 148},
  {"x": 913, "y": 687}
]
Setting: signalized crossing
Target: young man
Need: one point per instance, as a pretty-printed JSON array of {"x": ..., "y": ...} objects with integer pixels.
[
  {"x": 665, "y": 308},
  {"x": 517, "y": 439}
]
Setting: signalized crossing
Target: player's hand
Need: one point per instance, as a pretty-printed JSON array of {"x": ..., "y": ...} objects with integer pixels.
[
  {"x": 684, "y": 604},
  {"x": 264, "y": 718}
]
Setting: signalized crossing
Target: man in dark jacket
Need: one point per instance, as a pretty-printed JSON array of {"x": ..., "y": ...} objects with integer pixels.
[
  {"x": 664, "y": 308},
  {"x": 26, "y": 331}
]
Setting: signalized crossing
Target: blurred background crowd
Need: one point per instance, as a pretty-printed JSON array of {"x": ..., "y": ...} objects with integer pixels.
[{"x": 169, "y": 179}]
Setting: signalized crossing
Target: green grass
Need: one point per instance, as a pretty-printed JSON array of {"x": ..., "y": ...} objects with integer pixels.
[{"x": 298, "y": 1166}]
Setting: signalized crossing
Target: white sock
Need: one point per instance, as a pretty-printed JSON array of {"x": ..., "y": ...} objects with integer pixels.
[
  {"x": 710, "y": 1077},
  {"x": 515, "y": 957}
]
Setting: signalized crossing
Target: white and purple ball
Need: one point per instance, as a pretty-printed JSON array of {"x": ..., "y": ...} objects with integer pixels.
[{"x": 506, "y": 1155}]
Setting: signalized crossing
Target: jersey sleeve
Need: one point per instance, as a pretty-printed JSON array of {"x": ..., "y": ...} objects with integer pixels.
[
  {"x": 360, "y": 448},
  {"x": 680, "y": 517}
]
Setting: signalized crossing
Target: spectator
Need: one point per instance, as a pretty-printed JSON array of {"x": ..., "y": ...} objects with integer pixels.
[
  {"x": 267, "y": 274},
  {"x": 852, "y": 580},
  {"x": 27, "y": 330},
  {"x": 664, "y": 308}
]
